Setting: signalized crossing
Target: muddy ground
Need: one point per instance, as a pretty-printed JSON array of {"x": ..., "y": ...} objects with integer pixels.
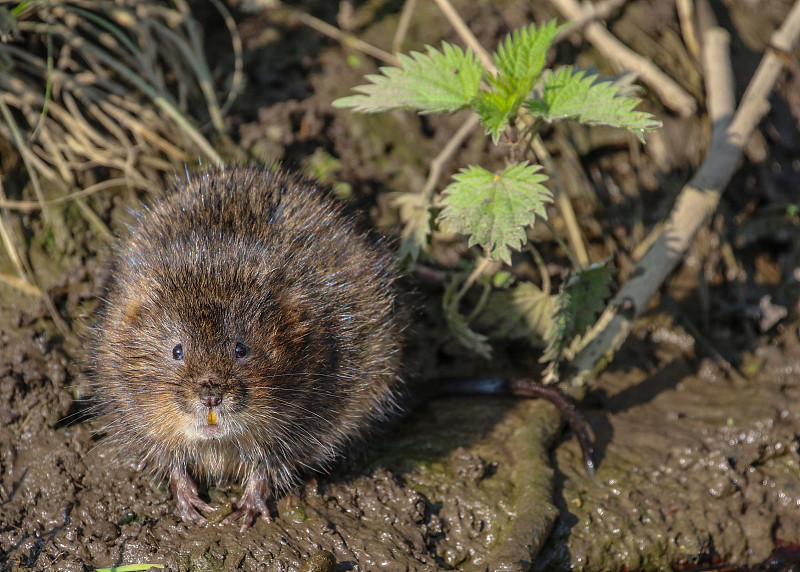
[{"x": 696, "y": 419}]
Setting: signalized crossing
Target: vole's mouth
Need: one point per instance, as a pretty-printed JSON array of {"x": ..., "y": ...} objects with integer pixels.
[
  {"x": 210, "y": 431},
  {"x": 208, "y": 426}
]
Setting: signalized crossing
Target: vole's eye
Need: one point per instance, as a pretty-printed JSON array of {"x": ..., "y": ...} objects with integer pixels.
[
  {"x": 177, "y": 352},
  {"x": 241, "y": 350}
]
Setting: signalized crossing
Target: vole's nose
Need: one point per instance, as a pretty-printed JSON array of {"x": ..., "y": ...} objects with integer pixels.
[
  {"x": 210, "y": 393},
  {"x": 209, "y": 398}
]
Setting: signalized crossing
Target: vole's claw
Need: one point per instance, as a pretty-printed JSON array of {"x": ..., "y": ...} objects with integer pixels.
[
  {"x": 252, "y": 504},
  {"x": 248, "y": 510},
  {"x": 186, "y": 498},
  {"x": 188, "y": 512}
]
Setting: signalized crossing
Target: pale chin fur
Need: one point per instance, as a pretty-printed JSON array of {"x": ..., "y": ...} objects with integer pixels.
[{"x": 201, "y": 430}]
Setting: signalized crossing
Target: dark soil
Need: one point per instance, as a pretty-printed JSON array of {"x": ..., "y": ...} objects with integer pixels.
[{"x": 696, "y": 419}]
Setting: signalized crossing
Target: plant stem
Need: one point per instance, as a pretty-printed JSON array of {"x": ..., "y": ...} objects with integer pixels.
[
  {"x": 487, "y": 289},
  {"x": 482, "y": 264},
  {"x": 438, "y": 162},
  {"x": 542, "y": 267},
  {"x": 8, "y": 239}
]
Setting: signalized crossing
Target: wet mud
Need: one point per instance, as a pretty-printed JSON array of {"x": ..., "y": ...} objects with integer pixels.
[
  {"x": 458, "y": 482},
  {"x": 694, "y": 465}
]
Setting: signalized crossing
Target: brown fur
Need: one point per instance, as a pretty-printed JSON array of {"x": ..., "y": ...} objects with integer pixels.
[{"x": 262, "y": 258}]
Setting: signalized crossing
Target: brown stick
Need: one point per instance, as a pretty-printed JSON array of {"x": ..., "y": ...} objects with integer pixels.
[
  {"x": 699, "y": 198},
  {"x": 622, "y": 57}
]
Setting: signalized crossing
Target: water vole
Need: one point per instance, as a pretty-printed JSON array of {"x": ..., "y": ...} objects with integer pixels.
[{"x": 247, "y": 333}]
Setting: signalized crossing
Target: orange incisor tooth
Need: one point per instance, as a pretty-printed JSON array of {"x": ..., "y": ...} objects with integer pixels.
[{"x": 212, "y": 417}]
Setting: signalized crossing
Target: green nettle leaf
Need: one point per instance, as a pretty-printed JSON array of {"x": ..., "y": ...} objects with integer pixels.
[
  {"x": 581, "y": 299},
  {"x": 519, "y": 63},
  {"x": 429, "y": 83},
  {"x": 572, "y": 94},
  {"x": 495, "y": 209},
  {"x": 521, "y": 58},
  {"x": 496, "y": 108}
]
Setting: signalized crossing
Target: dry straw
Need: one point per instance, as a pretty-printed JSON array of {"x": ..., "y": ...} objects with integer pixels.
[{"x": 121, "y": 86}]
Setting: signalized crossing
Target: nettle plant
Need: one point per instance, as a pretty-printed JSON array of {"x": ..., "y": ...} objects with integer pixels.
[{"x": 494, "y": 210}]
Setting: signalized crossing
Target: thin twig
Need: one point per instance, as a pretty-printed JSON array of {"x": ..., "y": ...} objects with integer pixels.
[
  {"x": 592, "y": 12},
  {"x": 699, "y": 198},
  {"x": 31, "y": 206},
  {"x": 48, "y": 89},
  {"x": 688, "y": 26},
  {"x": 25, "y": 153},
  {"x": 623, "y": 58},
  {"x": 347, "y": 39},
  {"x": 465, "y": 33},
  {"x": 21, "y": 285},
  {"x": 95, "y": 222},
  {"x": 403, "y": 24},
  {"x": 438, "y": 162},
  {"x": 562, "y": 202},
  {"x": 8, "y": 239}
]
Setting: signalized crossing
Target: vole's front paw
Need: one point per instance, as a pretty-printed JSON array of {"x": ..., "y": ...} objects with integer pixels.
[
  {"x": 186, "y": 498},
  {"x": 252, "y": 504}
]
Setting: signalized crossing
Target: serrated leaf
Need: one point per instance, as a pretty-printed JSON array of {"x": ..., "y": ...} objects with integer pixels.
[
  {"x": 519, "y": 61},
  {"x": 495, "y": 209},
  {"x": 468, "y": 337},
  {"x": 523, "y": 311},
  {"x": 572, "y": 94},
  {"x": 429, "y": 83},
  {"x": 496, "y": 107},
  {"x": 536, "y": 307},
  {"x": 521, "y": 58},
  {"x": 581, "y": 299}
]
